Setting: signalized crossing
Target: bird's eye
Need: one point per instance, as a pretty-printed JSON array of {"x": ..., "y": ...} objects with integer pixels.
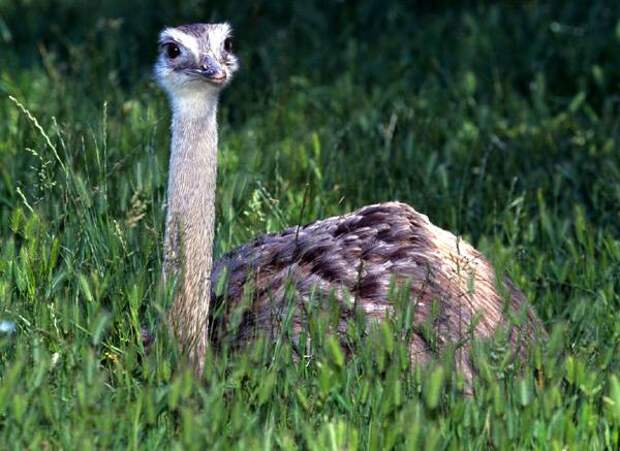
[
  {"x": 228, "y": 45},
  {"x": 172, "y": 50}
]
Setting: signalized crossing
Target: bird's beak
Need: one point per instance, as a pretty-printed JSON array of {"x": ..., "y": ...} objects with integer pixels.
[{"x": 211, "y": 70}]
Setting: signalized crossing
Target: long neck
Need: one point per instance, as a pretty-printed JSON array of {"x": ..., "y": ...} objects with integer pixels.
[{"x": 188, "y": 241}]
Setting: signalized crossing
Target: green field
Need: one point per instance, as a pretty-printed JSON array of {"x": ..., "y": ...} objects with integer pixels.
[{"x": 500, "y": 122}]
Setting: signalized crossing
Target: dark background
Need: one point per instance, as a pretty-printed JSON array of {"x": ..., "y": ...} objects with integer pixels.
[{"x": 499, "y": 120}]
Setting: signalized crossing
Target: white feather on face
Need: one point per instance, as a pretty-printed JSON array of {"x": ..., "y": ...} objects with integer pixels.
[
  {"x": 202, "y": 62},
  {"x": 189, "y": 42}
]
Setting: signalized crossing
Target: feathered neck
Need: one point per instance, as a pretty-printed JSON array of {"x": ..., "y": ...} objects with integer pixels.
[{"x": 188, "y": 242}]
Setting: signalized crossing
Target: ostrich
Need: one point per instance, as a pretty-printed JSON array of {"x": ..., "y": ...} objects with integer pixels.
[{"x": 351, "y": 259}]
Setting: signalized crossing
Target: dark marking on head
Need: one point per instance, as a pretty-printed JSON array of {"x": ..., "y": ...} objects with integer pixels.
[{"x": 193, "y": 29}]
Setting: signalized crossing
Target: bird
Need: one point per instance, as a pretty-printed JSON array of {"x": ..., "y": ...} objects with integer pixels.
[{"x": 352, "y": 260}]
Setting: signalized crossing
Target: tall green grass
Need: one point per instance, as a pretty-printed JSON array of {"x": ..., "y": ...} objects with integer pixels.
[{"x": 500, "y": 122}]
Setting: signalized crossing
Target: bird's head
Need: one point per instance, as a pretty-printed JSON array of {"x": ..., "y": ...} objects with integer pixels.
[{"x": 195, "y": 59}]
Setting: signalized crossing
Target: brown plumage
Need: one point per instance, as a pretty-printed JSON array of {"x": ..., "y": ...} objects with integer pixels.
[{"x": 352, "y": 260}]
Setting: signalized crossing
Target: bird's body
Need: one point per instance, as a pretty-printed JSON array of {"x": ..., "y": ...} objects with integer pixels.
[
  {"x": 355, "y": 260},
  {"x": 352, "y": 260}
]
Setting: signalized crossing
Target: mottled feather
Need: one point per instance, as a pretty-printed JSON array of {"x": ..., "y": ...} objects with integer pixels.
[
  {"x": 358, "y": 256},
  {"x": 352, "y": 260}
]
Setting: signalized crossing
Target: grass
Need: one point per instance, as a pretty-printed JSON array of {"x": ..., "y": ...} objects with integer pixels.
[{"x": 501, "y": 122}]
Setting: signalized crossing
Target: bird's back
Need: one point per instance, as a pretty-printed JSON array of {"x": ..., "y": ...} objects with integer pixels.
[{"x": 355, "y": 260}]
